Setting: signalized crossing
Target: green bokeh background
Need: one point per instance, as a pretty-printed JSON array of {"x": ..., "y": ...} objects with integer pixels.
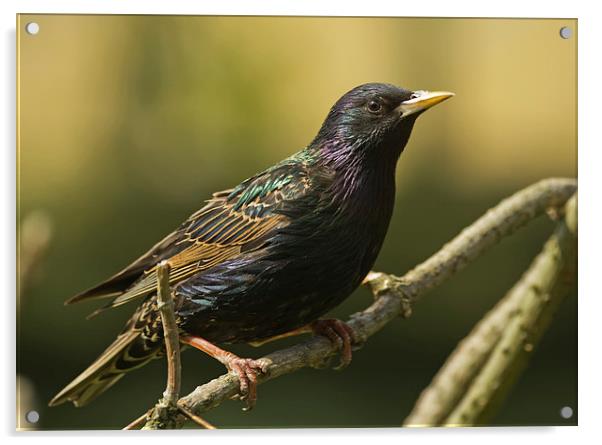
[{"x": 127, "y": 123}]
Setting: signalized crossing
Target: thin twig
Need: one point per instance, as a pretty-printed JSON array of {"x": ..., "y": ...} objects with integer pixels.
[
  {"x": 171, "y": 334},
  {"x": 197, "y": 419},
  {"x": 396, "y": 296},
  {"x": 162, "y": 414},
  {"x": 135, "y": 424}
]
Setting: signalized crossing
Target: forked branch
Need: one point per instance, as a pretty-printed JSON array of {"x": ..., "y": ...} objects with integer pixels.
[{"x": 479, "y": 373}]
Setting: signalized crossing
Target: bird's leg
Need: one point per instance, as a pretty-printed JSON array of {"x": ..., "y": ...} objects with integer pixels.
[
  {"x": 337, "y": 331},
  {"x": 302, "y": 330},
  {"x": 247, "y": 369}
]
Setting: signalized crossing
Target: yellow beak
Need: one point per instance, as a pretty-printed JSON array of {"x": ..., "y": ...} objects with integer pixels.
[{"x": 422, "y": 100}]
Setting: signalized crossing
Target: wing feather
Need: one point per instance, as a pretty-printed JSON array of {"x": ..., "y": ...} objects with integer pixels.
[{"x": 231, "y": 220}]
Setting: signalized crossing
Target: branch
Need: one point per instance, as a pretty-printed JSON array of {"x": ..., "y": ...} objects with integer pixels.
[
  {"x": 478, "y": 375},
  {"x": 137, "y": 423},
  {"x": 170, "y": 332},
  {"x": 162, "y": 415},
  {"x": 396, "y": 295},
  {"x": 540, "y": 292}
]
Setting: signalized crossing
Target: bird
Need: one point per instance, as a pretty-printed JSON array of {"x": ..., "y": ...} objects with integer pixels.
[{"x": 271, "y": 256}]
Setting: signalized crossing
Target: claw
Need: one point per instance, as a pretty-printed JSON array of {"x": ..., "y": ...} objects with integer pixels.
[
  {"x": 247, "y": 371},
  {"x": 339, "y": 333}
]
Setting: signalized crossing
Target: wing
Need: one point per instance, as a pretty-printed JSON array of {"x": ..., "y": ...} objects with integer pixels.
[
  {"x": 233, "y": 221},
  {"x": 164, "y": 249}
]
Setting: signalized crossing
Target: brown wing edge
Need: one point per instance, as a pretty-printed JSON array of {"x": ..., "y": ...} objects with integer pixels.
[
  {"x": 121, "y": 281},
  {"x": 111, "y": 287}
]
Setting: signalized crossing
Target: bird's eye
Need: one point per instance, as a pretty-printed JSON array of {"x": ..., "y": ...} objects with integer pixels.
[{"x": 374, "y": 107}]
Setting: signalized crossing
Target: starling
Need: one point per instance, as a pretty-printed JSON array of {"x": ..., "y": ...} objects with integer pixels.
[{"x": 269, "y": 257}]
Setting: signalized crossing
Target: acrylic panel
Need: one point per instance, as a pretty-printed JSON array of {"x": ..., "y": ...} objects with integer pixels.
[{"x": 128, "y": 124}]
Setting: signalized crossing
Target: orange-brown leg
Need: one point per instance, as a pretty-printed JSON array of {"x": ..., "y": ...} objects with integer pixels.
[
  {"x": 247, "y": 369},
  {"x": 336, "y": 331}
]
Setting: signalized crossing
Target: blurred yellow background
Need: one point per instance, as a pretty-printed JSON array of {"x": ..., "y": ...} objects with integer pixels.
[{"x": 127, "y": 123}]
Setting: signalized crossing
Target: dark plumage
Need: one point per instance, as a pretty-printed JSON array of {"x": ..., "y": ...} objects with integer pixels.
[{"x": 276, "y": 252}]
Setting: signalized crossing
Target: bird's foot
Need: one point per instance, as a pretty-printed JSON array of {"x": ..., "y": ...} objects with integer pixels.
[
  {"x": 339, "y": 333},
  {"x": 247, "y": 371}
]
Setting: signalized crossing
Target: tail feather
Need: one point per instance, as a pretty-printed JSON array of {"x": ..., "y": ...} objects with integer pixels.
[{"x": 129, "y": 351}]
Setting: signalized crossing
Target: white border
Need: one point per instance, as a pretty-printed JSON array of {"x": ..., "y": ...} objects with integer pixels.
[
  {"x": 590, "y": 147},
  {"x": 508, "y": 8}
]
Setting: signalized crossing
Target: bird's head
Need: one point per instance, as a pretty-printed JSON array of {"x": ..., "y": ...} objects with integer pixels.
[{"x": 373, "y": 121}]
